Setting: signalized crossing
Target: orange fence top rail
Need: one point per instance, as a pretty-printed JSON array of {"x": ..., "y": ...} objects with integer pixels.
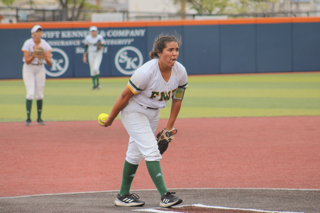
[{"x": 55, "y": 25}]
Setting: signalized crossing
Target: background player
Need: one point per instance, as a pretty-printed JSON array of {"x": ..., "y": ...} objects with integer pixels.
[
  {"x": 147, "y": 91},
  {"x": 34, "y": 75},
  {"x": 94, "y": 46}
]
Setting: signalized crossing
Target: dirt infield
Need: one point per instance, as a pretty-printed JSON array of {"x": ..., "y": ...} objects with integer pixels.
[
  {"x": 102, "y": 202},
  {"x": 65, "y": 157}
]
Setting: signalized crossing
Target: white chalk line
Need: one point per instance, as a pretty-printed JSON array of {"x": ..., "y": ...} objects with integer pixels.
[
  {"x": 171, "y": 189},
  {"x": 155, "y": 210}
]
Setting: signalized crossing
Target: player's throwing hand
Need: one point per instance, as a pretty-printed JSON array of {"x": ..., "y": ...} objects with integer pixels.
[{"x": 105, "y": 121}]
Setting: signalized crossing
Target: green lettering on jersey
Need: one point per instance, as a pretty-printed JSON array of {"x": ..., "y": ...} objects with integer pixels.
[
  {"x": 154, "y": 94},
  {"x": 165, "y": 96}
]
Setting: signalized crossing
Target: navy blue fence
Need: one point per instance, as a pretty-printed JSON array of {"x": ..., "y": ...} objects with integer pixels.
[{"x": 205, "y": 49}]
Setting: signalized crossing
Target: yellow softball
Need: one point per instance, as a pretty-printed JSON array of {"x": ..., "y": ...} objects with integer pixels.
[{"x": 103, "y": 117}]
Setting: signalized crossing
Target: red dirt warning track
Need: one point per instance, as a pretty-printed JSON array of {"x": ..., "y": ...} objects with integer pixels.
[{"x": 62, "y": 157}]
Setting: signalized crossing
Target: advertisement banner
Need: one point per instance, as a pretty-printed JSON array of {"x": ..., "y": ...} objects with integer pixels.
[
  {"x": 128, "y": 49},
  {"x": 124, "y": 52}
]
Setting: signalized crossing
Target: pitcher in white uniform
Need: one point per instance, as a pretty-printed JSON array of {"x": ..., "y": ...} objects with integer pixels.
[
  {"x": 148, "y": 90},
  {"x": 94, "y": 46},
  {"x": 34, "y": 75}
]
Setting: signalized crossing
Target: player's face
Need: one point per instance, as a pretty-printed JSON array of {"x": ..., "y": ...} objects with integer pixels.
[
  {"x": 169, "y": 54},
  {"x": 94, "y": 33},
  {"x": 38, "y": 34}
]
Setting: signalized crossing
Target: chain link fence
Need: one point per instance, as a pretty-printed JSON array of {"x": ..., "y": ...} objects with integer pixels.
[{"x": 45, "y": 15}]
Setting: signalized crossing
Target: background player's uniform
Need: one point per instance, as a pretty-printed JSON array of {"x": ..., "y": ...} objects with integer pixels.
[
  {"x": 94, "y": 54},
  {"x": 34, "y": 75},
  {"x": 141, "y": 116}
]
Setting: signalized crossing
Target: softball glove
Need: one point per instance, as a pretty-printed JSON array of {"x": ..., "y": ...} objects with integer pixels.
[
  {"x": 99, "y": 45},
  {"x": 38, "y": 52},
  {"x": 164, "y": 138}
]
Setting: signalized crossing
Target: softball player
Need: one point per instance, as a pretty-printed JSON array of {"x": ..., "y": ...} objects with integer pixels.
[
  {"x": 34, "y": 75},
  {"x": 94, "y": 45},
  {"x": 148, "y": 90}
]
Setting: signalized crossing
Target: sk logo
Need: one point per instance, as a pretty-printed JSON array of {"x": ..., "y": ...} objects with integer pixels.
[
  {"x": 128, "y": 59},
  {"x": 60, "y": 63}
]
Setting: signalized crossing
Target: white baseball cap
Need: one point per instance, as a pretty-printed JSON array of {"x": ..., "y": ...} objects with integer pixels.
[
  {"x": 93, "y": 28},
  {"x": 35, "y": 28}
]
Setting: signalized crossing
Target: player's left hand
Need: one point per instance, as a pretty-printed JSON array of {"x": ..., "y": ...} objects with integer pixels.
[{"x": 164, "y": 138}]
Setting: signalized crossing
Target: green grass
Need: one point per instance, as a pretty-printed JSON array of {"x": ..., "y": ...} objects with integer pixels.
[{"x": 292, "y": 94}]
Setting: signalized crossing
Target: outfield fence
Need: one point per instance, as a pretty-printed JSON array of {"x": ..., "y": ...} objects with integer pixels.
[{"x": 252, "y": 45}]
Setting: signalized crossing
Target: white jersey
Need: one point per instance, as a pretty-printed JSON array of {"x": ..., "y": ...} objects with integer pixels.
[
  {"x": 91, "y": 41},
  {"x": 28, "y": 46},
  {"x": 151, "y": 89}
]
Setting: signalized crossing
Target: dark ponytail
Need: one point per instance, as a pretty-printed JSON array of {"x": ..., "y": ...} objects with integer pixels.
[{"x": 153, "y": 54}]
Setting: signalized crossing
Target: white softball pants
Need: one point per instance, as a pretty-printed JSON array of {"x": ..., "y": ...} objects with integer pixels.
[
  {"x": 95, "y": 59},
  {"x": 141, "y": 124},
  {"x": 34, "y": 77}
]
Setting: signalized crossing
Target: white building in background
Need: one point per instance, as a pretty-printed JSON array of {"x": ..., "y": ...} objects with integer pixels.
[
  {"x": 157, "y": 6},
  {"x": 138, "y": 6},
  {"x": 137, "y": 9},
  {"x": 116, "y": 5}
]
